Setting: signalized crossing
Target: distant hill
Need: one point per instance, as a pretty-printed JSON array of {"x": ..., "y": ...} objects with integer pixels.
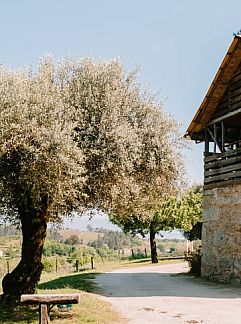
[
  {"x": 101, "y": 220},
  {"x": 83, "y": 236},
  {"x": 98, "y": 220}
]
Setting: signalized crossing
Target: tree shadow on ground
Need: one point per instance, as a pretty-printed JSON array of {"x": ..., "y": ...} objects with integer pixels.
[
  {"x": 18, "y": 314},
  {"x": 82, "y": 281},
  {"x": 28, "y": 314},
  {"x": 140, "y": 261},
  {"x": 149, "y": 284}
]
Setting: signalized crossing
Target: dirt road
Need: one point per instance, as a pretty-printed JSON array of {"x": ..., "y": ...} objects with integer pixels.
[{"x": 159, "y": 294}]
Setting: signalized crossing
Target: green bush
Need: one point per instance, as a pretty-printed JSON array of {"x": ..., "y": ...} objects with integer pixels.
[
  {"x": 194, "y": 261},
  {"x": 48, "y": 264},
  {"x": 53, "y": 248},
  {"x": 138, "y": 255}
]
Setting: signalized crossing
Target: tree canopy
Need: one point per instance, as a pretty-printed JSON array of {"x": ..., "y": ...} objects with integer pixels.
[
  {"x": 40, "y": 164},
  {"x": 83, "y": 134},
  {"x": 76, "y": 135},
  {"x": 180, "y": 211}
]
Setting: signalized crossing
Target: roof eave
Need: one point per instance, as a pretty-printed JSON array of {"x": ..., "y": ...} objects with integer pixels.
[{"x": 216, "y": 89}]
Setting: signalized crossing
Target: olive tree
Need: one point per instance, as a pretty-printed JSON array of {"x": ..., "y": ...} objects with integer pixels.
[
  {"x": 41, "y": 166},
  {"x": 78, "y": 135}
]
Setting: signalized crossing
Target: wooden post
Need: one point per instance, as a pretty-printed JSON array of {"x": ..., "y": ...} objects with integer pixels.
[
  {"x": 56, "y": 265},
  {"x": 215, "y": 138},
  {"x": 223, "y": 136},
  {"x": 77, "y": 265},
  {"x": 206, "y": 142},
  {"x": 145, "y": 253},
  {"x": 44, "y": 314},
  {"x": 187, "y": 246},
  {"x": 8, "y": 268},
  {"x": 133, "y": 255},
  {"x": 92, "y": 262}
]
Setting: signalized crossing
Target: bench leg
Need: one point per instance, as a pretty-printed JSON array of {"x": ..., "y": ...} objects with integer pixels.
[{"x": 44, "y": 314}]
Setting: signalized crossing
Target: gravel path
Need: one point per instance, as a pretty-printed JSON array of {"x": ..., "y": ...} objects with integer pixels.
[{"x": 160, "y": 294}]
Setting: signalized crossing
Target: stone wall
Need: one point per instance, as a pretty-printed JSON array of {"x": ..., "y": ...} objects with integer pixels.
[{"x": 221, "y": 236}]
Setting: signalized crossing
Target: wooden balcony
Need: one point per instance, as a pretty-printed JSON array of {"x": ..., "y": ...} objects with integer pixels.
[{"x": 222, "y": 169}]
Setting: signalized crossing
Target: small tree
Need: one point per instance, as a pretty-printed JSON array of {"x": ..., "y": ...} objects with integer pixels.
[
  {"x": 72, "y": 240},
  {"x": 177, "y": 212},
  {"x": 162, "y": 220},
  {"x": 189, "y": 213}
]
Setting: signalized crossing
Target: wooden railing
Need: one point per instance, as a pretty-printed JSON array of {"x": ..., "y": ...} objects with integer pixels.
[{"x": 222, "y": 168}]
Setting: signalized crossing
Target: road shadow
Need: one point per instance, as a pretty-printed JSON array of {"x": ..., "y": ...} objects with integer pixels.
[{"x": 162, "y": 284}]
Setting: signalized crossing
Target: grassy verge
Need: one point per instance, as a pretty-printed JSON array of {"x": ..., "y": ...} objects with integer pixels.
[{"x": 90, "y": 310}]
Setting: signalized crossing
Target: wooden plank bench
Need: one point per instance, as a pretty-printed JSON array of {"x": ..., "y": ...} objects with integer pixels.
[{"x": 47, "y": 301}]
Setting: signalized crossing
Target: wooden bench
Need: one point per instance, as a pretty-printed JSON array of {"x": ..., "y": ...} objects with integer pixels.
[{"x": 46, "y": 303}]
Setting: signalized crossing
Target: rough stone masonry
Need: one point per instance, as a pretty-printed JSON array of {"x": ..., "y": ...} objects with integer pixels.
[{"x": 221, "y": 237}]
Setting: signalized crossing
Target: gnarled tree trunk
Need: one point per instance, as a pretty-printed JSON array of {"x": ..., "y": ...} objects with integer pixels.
[
  {"x": 24, "y": 278},
  {"x": 154, "y": 258}
]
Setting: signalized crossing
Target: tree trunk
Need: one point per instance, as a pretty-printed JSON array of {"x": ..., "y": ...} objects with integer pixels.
[
  {"x": 154, "y": 258},
  {"x": 24, "y": 278}
]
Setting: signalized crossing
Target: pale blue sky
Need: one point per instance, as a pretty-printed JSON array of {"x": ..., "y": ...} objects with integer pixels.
[{"x": 178, "y": 43}]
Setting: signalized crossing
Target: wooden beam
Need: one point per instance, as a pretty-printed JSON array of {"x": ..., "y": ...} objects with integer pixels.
[
  {"x": 217, "y": 156},
  {"x": 223, "y": 136},
  {"x": 206, "y": 142},
  {"x": 221, "y": 177},
  {"x": 218, "y": 163},
  {"x": 222, "y": 170},
  {"x": 221, "y": 184},
  {"x": 232, "y": 113},
  {"x": 214, "y": 139},
  {"x": 50, "y": 299}
]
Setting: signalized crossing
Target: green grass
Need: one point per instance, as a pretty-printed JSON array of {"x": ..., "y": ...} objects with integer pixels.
[
  {"x": 90, "y": 310},
  {"x": 23, "y": 315},
  {"x": 78, "y": 281}
]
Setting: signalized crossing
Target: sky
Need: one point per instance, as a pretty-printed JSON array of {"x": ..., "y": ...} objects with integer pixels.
[
  {"x": 101, "y": 220},
  {"x": 179, "y": 44}
]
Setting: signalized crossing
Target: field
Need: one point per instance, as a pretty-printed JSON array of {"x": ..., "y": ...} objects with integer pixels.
[{"x": 85, "y": 237}]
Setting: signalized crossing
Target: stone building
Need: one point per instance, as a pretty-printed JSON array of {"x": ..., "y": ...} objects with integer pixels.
[{"x": 217, "y": 123}]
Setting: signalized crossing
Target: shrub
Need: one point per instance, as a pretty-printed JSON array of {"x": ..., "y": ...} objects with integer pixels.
[
  {"x": 194, "y": 261},
  {"x": 48, "y": 264}
]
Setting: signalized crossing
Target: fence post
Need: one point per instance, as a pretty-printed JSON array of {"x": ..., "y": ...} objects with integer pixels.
[
  {"x": 56, "y": 265},
  {"x": 145, "y": 253},
  {"x": 133, "y": 255},
  {"x": 8, "y": 268},
  {"x": 77, "y": 265},
  {"x": 92, "y": 262}
]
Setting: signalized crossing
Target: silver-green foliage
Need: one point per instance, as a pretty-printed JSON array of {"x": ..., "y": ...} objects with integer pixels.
[{"x": 79, "y": 134}]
